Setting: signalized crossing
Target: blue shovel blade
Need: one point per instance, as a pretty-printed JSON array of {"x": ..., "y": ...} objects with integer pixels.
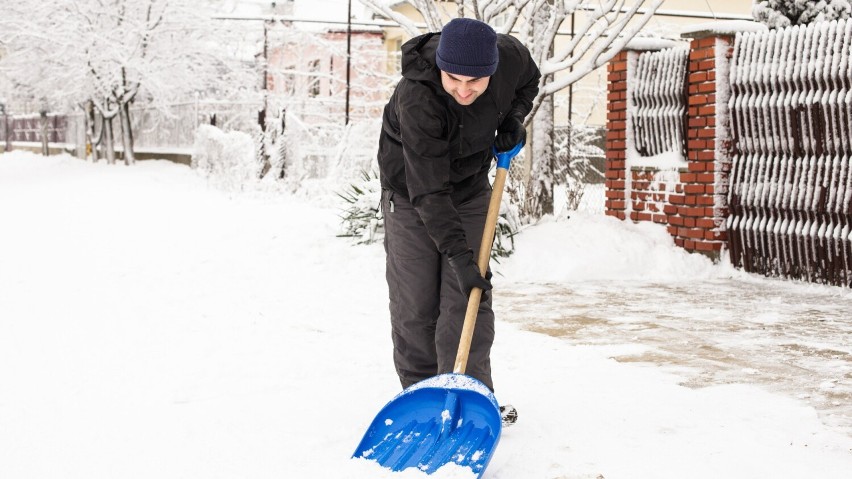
[{"x": 447, "y": 418}]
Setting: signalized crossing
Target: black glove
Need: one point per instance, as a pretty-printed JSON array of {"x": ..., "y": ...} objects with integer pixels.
[
  {"x": 468, "y": 275},
  {"x": 510, "y": 133}
]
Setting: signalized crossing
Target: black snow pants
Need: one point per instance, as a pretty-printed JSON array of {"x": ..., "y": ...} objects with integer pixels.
[{"x": 427, "y": 306}]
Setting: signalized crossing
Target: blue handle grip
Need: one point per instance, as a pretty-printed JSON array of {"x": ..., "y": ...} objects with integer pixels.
[{"x": 504, "y": 158}]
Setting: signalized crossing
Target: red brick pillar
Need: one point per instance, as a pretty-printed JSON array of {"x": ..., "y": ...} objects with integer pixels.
[
  {"x": 621, "y": 188},
  {"x": 697, "y": 216},
  {"x": 695, "y": 209},
  {"x": 616, "y": 135}
]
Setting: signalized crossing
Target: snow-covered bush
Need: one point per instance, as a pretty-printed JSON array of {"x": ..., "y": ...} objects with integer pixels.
[
  {"x": 508, "y": 225},
  {"x": 362, "y": 215},
  {"x": 363, "y": 220},
  {"x": 785, "y": 13},
  {"x": 307, "y": 155},
  {"x": 573, "y": 168},
  {"x": 229, "y": 159}
]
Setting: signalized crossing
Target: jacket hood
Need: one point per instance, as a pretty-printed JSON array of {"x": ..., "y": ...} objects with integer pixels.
[{"x": 418, "y": 58}]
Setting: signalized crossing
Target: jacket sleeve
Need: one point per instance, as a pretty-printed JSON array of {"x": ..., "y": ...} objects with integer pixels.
[
  {"x": 426, "y": 153},
  {"x": 527, "y": 86}
]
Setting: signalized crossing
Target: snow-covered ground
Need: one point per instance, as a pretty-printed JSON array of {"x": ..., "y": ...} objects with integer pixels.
[{"x": 152, "y": 326}]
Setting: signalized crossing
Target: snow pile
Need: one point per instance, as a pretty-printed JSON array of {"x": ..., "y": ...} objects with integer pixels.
[
  {"x": 592, "y": 247},
  {"x": 226, "y": 158}
]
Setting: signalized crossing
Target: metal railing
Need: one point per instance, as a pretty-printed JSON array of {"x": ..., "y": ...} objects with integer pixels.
[{"x": 658, "y": 102}]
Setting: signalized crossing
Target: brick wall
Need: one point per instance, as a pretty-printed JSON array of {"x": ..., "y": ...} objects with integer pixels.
[
  {"x": 689, "y": 199},
  {"x": 698, "y": 223},
  {"x": 616, "y": 131}
]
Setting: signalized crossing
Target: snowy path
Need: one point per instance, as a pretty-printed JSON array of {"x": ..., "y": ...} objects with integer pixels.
[
  {"x": 154, "y": 327},
  {"x": 791, "y": 338}
]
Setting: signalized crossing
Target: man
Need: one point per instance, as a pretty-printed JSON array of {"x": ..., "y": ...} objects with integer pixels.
[{"x": 458, "y": 88}]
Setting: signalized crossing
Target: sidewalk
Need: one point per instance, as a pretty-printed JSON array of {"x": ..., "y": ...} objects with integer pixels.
[{"x": 791, "y": 338}]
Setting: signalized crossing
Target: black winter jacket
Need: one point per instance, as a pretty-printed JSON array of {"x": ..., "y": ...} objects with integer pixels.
[{"x": 436, "y": 152}]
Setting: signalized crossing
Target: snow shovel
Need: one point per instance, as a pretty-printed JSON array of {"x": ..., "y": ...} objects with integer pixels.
[{"x": 450, "y": 417}]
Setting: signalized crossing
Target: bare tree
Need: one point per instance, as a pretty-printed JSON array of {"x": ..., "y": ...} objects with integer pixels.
[{"x": 605, "y": 28}]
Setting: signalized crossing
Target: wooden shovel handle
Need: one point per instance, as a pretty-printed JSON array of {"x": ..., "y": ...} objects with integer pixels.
[{"x": 482, "y": 262}]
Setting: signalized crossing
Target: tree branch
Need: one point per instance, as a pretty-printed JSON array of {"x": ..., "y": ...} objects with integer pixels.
[{"x": 384, "y": 9}]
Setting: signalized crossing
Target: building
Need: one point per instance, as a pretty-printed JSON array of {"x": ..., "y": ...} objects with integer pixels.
[{"x": 308, "y": 73}]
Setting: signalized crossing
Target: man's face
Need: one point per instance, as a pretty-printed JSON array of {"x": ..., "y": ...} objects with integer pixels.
[{"x": 464, "y": 89}]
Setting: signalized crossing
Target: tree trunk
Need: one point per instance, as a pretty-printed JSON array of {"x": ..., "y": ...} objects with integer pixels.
[
  {"x": 539, "y": 197},
  {"x": 539, "y": 193},
  {"x": 7, "y": 131},
  {"x": 89, "y": 151},
  {"x": 108, "y": 141},
  {"x": 126, "y": 133}
]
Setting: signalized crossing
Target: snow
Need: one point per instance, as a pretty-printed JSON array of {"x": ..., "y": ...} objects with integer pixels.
[
  {"x": 644, "y": 245},
  {"x": 226, "y": 155},
  {"x": 153, "y": 325},
  {"x": 452, "y": 381},
  {"x": 650, "y": 44},
  {"x": 723, "y": 27},
  {"x": 663, "y": 161}
]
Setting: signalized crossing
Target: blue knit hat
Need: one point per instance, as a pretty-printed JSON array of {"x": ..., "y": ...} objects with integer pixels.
[{"x": 468, "y": 47}]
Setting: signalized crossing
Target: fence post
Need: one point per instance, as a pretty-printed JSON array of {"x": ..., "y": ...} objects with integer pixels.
[
  {"x": 616, "y": 135},
  {"x": 7, "y": 140},
  {"x": 703, "y": 208},
  {"x": 45, "y": 141}
]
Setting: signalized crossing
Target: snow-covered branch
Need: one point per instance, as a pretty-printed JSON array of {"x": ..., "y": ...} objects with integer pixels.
[
  {"x": 605, "y": 30},
  {"x": 384, "y": 8},
  {"x": 600, "y": 48},
  {"x": 112, "y": 53}
]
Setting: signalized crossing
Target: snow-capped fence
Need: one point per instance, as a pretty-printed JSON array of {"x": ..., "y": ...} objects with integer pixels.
[
  {"x": 767, "y": 172},
  {"x": 154, "y": 130},
  {"x": 791, "y": 182},
  {"x": 29, "y": 128}
]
